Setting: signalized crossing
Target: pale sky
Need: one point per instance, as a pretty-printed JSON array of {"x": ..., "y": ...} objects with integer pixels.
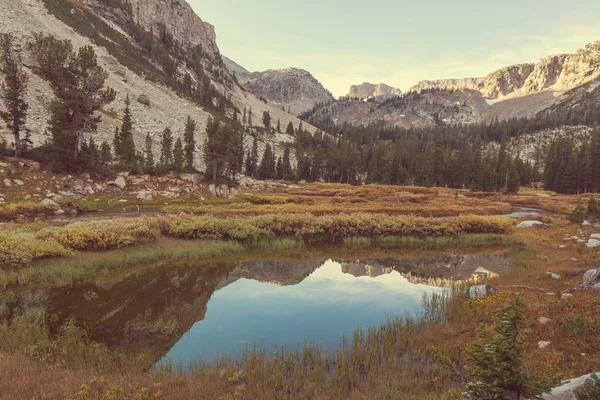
[{"x": 398, "y": 42}]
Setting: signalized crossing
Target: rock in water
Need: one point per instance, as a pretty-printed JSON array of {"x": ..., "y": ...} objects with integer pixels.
[{"x": 51, "y": 204}]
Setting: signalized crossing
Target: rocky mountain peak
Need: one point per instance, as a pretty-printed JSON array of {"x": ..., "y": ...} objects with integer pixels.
[
  {"x": 292, "y": 89},
  {"x": 368, "y": 90}
]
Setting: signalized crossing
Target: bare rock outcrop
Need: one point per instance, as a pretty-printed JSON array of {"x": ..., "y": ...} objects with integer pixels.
[{"x": 368, "y": 90}]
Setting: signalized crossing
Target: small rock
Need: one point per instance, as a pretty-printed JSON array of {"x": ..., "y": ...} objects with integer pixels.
[
  {"x": 27, "y": 197},
  {"x": 50, "y": 203},
  {"x": 7, "y": 183},
  {"x": 122, "y": 201},
  {"x": 59, "y": 212},
  {"x": 35, "y": 166},
  {"x": 144, "y": 99},
  {"x": 596, "y": 286},
  {"x": 212, "y": 189},
  {"x": 563, "y": 247},
  {"x": 586, "y": 223},
  {"x": 543, "y": 344},
  {"x": 553, "y": 275},
  {"x": 565, "y": 295},
  {"x": 543, "y": 195},
  {"x": 593, "y": 243},
  {"x": 532, "y": 225},
  {"x": 591, "y": 277},
  {"x": 119, "y": 182},
  {"x": 479, "y": 291},
  {"x": 595, "y": 236},
  {"x": 544, "y": 320},
  {"x": 18, "y": 182},
  {"x": 144, "y": 195}
]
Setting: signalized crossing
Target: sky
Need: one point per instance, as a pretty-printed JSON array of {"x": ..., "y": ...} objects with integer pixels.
[{"x": 397, "y": 42}]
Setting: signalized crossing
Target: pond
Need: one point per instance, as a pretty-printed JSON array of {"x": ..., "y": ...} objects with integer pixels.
[{"x": 198, "y": 310}]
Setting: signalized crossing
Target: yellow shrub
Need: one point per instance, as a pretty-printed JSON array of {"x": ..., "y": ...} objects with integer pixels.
[{"x": 20, "y": 248}]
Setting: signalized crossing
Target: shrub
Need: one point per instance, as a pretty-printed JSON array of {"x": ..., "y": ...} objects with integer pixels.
[
  {"x": 13, "y": 211},
  {"x": 20, "y": 248},
  {"x": 101, "y": 235},
  {"x": 593, "y": 209},
  {"x": 578, "y": 215}
]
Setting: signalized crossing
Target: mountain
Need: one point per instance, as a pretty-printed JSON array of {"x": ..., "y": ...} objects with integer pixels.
[
  {"x": 557, "y": 73},
  {"x": 411, "y": 110},
  {"x": 119, "y": 32},
  {"x": 291, "y": 89},
  {"x": 368, "y": 90}
]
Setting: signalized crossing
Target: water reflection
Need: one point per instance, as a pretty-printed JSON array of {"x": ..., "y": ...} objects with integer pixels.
[{"x": 201, "y": 309}]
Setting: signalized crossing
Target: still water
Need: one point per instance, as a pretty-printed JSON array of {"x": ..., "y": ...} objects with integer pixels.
[{"x": 203, "y": 310}]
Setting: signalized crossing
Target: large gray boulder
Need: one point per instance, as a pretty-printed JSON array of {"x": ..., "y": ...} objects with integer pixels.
[
  {"x": 119, "y": 182},
  {"x": 531, "y": 225},
  {"x": 591, "y": 277},
  {"x": 479, "y": 291},
  {"x": 566, "y": 391}
]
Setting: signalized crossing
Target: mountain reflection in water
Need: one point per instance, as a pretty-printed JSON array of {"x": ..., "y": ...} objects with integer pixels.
[{"x": 202, "y": 309}]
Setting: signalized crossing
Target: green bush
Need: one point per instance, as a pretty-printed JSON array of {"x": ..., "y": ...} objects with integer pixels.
[
  {"x": 578, "y": 215},
  {"x": 20, "y": 248},
  {"x": 101, "y": 235}
]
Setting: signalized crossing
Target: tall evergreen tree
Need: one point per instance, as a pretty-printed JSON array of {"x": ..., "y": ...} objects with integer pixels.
[
  {"x": 290, "y": 129},
  {"x": 178, "y": 155},
  {"x": 287, "y": 172},
  {"x": 166, "y": 148},
  {"x": 266, "y": 119},
  {"x": 514, "y": 181},
  {"x": 13, "y": 88},
  {"x": 190, "y": 143},
  {"x": 105, "y": 155},
  {"x": 148, "y": 153},
  {"x": 253, "y": 163},
  {"x": 266, "y": 169},
  {"x": 126, "y": 143},
  {"x": 278, "y": 125}
]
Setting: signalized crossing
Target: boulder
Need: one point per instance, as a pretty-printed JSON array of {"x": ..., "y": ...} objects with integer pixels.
[
  {"x": 593, "y": 243},
  {"x": 119, "y": 182},
  {"x": 566, "y": 391},
  {"x": 18, "y": 182},
  {"x": 212, "y": 189},
  {"x": 484, "y": 272},
  {"x": 35, "y": 166},
  {"x": 595, "y": 236},
  {"x": 479, "y": 291},
  {"x": 532, "y": 225},
  {"x": 196, "y": 178},
  {"x": 591, "y": 277},
  {"x": 144, "y": 195},
  {"x": 144, "y": 99},
  {"x": 596, "y": 286},
  {"x": 50, "y": 203},
  {"x": 224, "y": 190}
]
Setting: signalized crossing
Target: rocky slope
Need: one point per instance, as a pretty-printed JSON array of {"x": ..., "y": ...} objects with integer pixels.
[
  {"x": 557, "y": 73},
  {"x": 368, "y": 90},
  {"x": 234, "y": 67},
  {"x": 412, "y": 110},
  {"x": 159, "y": 105},
  {"x": 292, "y": 89}
]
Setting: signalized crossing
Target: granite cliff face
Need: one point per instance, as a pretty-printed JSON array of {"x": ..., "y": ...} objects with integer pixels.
[
  {"x": 557, "y": 73},
  {"x": 368, "y": 90},
  {"x": 292, "y": 89}
]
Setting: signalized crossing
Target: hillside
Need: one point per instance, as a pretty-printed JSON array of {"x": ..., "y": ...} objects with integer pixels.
[{"x": 158, "y": 100}]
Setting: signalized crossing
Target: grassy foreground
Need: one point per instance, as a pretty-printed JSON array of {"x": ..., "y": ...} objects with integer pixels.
[{"x": 386, "y": 362}]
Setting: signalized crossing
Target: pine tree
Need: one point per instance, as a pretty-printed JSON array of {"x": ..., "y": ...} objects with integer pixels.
[
  {"x": 250, "y": 117},
  {"x": 287, "y": 172},
  {"x": 166, "y": 148},
  {"x": 514, "y": 181},
  {"x": 148, "y": 153},
  {"x": 13, "y": 88},
  {"x": 244, "y": 119},
  {"x": 290, "y": 129},
  {"x": 253, "y": 163},
  {"x": 105, "y": 155},
  {"x": 190, "y": 143},
  {"x": 266, "y": 169},
  {"x": 278, "y": 125},
  {"x": 496, "y": 367},
  {"x": 117, "y": 142},
  {"x": 266, "y": 119},
  {"x": 126, "y": 143},
  {"x": 74, "y": 110},
  {"x": 568, "y": 182},
  {"x": 178, "y": 155}
]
